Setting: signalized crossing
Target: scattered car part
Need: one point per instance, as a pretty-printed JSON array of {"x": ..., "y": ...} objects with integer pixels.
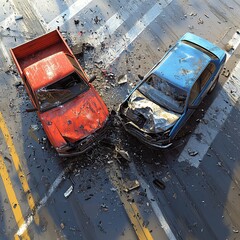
[
  {"x": 131, "y": 185},
  {"x": 159, "y": 184},
  {"x": 68, "y": 192}
]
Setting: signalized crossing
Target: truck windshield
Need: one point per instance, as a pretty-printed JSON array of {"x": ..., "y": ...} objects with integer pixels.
[
  {"x": 60, "y": 92},
  {"x": 163, "y": 93}
]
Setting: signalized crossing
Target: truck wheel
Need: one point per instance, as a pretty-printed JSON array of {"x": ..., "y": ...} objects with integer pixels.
[{"x": 214, "y": 85}]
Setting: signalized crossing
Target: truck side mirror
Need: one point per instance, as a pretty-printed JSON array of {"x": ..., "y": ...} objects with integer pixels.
[{"x": 92, "y": 79}]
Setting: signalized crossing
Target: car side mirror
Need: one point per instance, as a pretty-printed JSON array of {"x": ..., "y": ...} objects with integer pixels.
[{"x": 92, "y": 79}]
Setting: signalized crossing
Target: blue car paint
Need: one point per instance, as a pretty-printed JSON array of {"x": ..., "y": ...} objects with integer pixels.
[
  {"x": 219, "y": 64},
  {"x": 205, "y": 44},
  {"x": 181, "y": 66}
]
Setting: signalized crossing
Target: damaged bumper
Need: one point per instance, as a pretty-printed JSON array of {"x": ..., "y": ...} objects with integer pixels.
[
  {"x": 147, "y": 121},
  {"x": 146, "y": 138},
  {"x": 85, "y": 144}
]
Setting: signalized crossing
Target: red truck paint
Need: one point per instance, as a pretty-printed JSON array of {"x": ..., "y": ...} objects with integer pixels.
[{"x": 74, "y": 126}]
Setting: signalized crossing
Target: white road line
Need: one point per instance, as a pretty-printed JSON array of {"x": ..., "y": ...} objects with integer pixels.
[
  {"x": 68, "y": 14},
  {"x": 215, "y": 116},
  {"x": 115, "y": 51},
  {"x": 38, "y": 14},
  {"x": 154, "y": 204},
  {"x": 42, "y": 203},
  {"x": 234, "y": 43},
  {"x": 7, "y": 22},
  {"x": 5, "y": 54},
  {"x": 113, "y": 23}
]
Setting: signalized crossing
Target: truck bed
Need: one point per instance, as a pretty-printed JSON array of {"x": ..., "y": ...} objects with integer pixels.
[{"x": 38, "y": 49}]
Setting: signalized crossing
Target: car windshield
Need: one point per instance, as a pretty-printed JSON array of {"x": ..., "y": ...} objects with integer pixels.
[
  {"x": 163, "y": 93},
  {"x": 60, "y": 92}
]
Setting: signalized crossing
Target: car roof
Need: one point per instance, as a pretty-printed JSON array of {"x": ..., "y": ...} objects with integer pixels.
[
  {"x": 48, "y": 70},
  {"x": 182, "y": 65}
]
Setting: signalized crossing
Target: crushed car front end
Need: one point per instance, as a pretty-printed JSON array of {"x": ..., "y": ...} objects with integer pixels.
[{"x": 148, "y": 121}]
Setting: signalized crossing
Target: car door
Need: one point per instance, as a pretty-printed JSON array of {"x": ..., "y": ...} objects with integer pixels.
[
  {"x": 30, "y": 93},
  {"x": 192, "y": 103},
  {"x": 206, "y": 80}
]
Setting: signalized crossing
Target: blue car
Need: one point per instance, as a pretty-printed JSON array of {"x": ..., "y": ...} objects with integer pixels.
[{"x": 160, "y": 105}]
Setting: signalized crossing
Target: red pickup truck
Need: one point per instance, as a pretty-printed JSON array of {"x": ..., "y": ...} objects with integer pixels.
[{"x": 71, "y": 111}]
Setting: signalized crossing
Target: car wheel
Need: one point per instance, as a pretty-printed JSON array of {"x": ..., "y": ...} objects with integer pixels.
[{"x": 214, "y": 85}]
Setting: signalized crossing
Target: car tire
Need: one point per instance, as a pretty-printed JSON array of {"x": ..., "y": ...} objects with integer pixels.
[{"x": 214, "y": 85}]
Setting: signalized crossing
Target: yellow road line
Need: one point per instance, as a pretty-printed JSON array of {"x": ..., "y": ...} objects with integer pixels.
[
  {"x": 131, "y": 208},
  {"x": 12, "y": 197},
  {"x": 16, "y": 237},
  {"x": 18, "y": 167},
  {"x": 134, "y": 215}
]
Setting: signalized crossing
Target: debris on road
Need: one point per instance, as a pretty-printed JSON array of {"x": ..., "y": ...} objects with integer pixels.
[
  {"x": 124, "y": 154},
  {"x": 228, "y": 47},
  {"x": 31, "y": 132},
  {"x": 122, "y": 79},
  {"x": 18, "y": 17},
  {"x": 34, "y": 127},
  {"x": 68, "y": 192},
  {"x": 18, "y": 84},
  {"x": 193, "y": 14},
  {"x": 62, "y": 225},
  {"x": 192, "y": 153},
  {"x": 97, "y": 20},
  {"x": 11, "y": 71},
  {"x": 225, "y": 72},
  {"x": 76, "y": 22},
  {"x": 87, "y": 46},
  {"x": 219, "y": 164},
  {"x": 79, "y": 49},
  {"x": 200, "y": 21},
  {"x": 159, "y": 184},
  {"x": 113, "y": 189},
  {"x": 104, "y": 207},
  {"x": 131, "y": 185}
]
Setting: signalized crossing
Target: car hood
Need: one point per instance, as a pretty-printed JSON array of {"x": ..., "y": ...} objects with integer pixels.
[
  {"x": 156, "y": 118},
  {"x": 78, "y": 118}
]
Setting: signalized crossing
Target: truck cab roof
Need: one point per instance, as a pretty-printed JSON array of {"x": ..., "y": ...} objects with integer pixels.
[{"x": 48, "y": 70}]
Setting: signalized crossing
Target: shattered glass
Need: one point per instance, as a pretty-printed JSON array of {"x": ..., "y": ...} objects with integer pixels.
[
  {"x": 163, "y": 93},
  {"x": 61, "y": 92}
]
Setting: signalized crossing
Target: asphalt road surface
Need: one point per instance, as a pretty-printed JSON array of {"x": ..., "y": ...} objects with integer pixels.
[{"x": 198, "y": 195}]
